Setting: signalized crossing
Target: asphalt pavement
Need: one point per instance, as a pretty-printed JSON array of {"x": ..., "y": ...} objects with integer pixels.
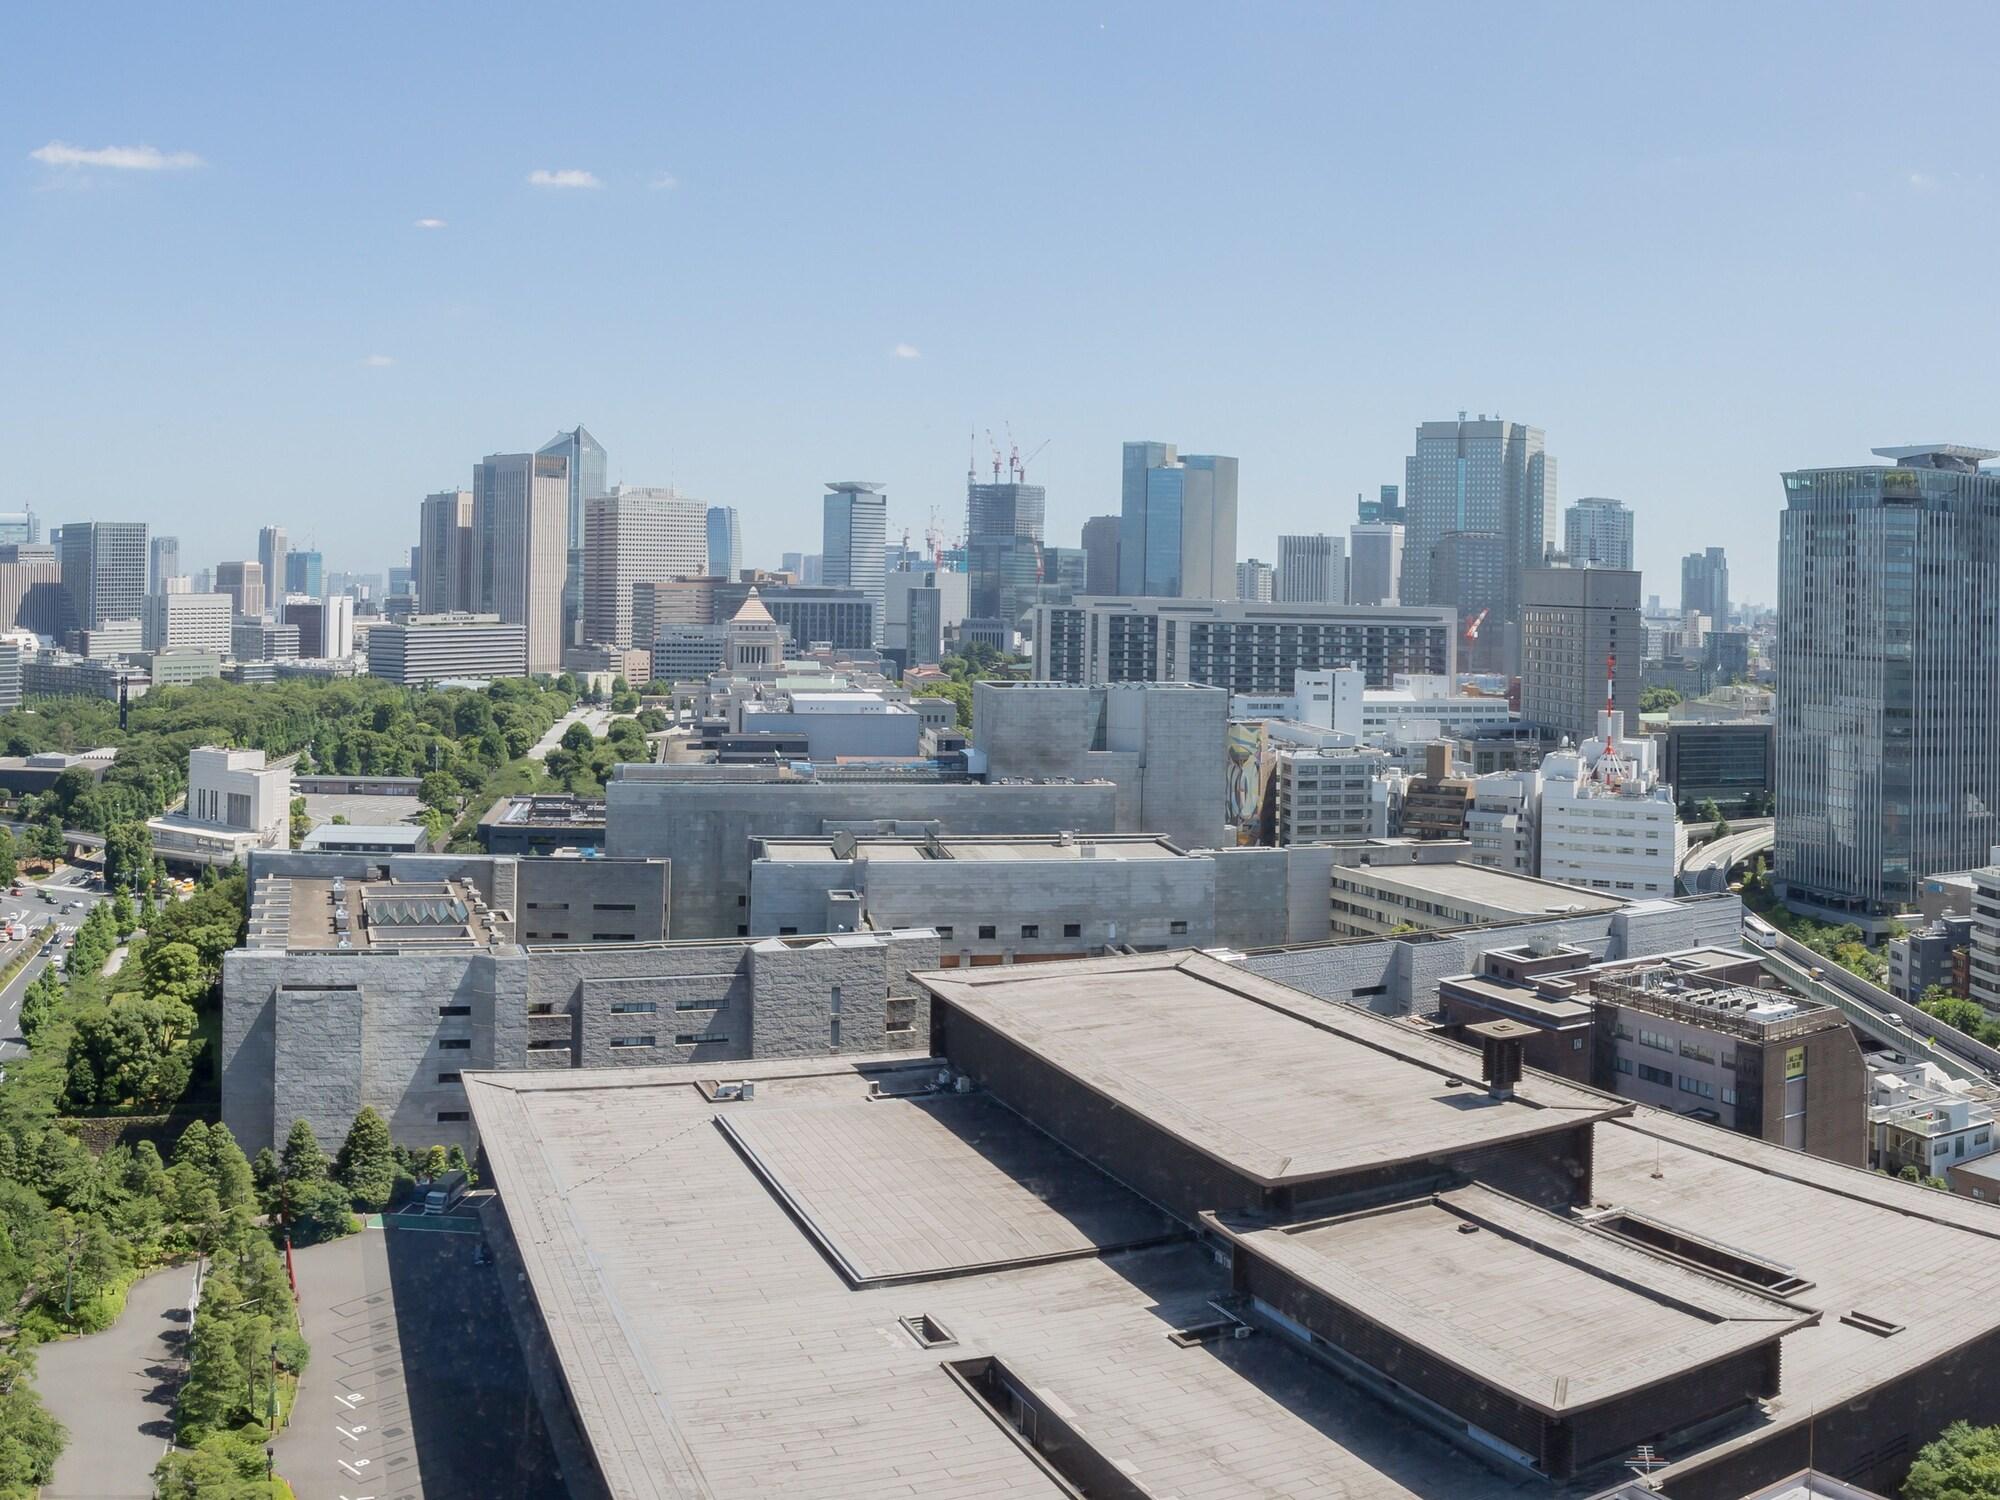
[
  {"x": 599, "y": 720},
  {"x": 416, "y": 1389},
  {"x": 114, "y": 1391}
]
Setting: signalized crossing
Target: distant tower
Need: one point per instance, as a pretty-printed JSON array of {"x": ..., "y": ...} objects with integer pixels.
[{"x": 855, "y": 531}]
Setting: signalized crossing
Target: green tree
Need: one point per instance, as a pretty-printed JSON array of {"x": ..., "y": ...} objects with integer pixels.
[
  {"x": 300, "y": 822},
  {"x": 578, "y": 740},
  {"x": 47, "y": 841},
  {"x": 10, "y": 858},
  {"x": 440, "y": 790},
  {"x": 122, "y": 915},
  {"x": 1962, "y": 1463},
  {"x": 128, "y": 853},
  {"x": 366, "y": 1165},
  {"x": 303, "y": 1160},
  {"x": 434, "y": 1163},
  {"x": 454, "y": 1161},
  {"x": 173, "y": 972},
  {"x": 319, "y": 1212},
  {"x": 1657, "y": 700}
]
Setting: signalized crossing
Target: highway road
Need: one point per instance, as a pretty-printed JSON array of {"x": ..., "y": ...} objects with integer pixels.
[
  {"x": 35, "y": 912},
  {"x": 599, "y": 720},
  {"x": 1706, "y": 867}
]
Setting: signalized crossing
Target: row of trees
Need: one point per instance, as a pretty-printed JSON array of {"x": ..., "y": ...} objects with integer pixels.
[
  {"x": 582, "y": 762},
  {"x": 368, "y": 1173}
]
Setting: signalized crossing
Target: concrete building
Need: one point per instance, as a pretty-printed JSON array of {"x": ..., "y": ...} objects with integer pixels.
[
  {"x": 1579, "y": 630},
  {"x": 446, "y": 579},
  {"x": 542, "y": 824},
  {"x": 1160, "y": 743},
  {"x": 1375, "y": 563},
  {"x": 1016, "y": 899},
  {"x": 923, "y": 604},
  {"x": 1244, "y": 648},
  {"x": 1469, "y": 573},
  {"x": 702, "y": 819},
  {"x": 1597, "y": 533},
  {"x": 32, "y": 596},
  {"x": 1984, "y": 956},
  {"x": 1435, "y": 803},
  {"x": 325, "y": 626},
  {"x": 1886, "y": 711},
  {"x": 836, "y": 725},
  {"x": 1326, "y": 793},
  {"x": 855, "y": 528},
  {"x": 520, "y": 502},
  {"x": 1370, "y": 900},
  {"x": 844, "y": 618},
  {"x": 104, "y": 566},
  {"x": 1177, "y": 523},
  {"x": 1503, "y": 822},
  {"x": 1608, "y": 821},
  {"x": 236, "y": 803},
  {"x": 305, "y": 574},
  {"x": 1731, "y": 761},
  {"x": 725, "y": 542},
  {"x": 259, "y": 640},
  {"x": 179, "y": 668},
  {"x": 431, "y": 648},
  {"x": 163, "y": 561},
  {"x": 243, "y": 582},
  {"x": 1705, "y": 583},
  {"x": 1052, "y": 1259},
  {"x": 684, "y": 653},
  {"x": 60, "y": 674},
  {"x": 1003, "y": 550},
  {"x": 1311, "y": 570},
  {"x": 635, "y": 535},
  {"x": 1255, "y": 581},
  {"x": 1936, "y": 954},
  {"x": 1485, "y": 476},
  {"x": 1100, "y": 546}
]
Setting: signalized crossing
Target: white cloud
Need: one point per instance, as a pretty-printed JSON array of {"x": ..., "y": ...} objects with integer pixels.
[
  {"x": 1922, "y": 182},
  {"x": 907, "y": 351},
  {"x": 122, "y": 158},
  {"x": 665, "y": 180},
  {"x": 378, "y": 361},
  {"x": 569, "y": 177},
  {"x": 430, "y": 223}
]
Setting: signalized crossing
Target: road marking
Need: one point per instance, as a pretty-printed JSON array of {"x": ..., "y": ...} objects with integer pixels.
[
  {"x": 352, "y": 1437},
  {"x": 349, "y": 1401},
  {"x": 354, "y": 1469}
]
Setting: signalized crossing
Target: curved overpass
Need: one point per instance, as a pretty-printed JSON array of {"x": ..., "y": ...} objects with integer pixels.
[{"x": 1706, "y": 868}]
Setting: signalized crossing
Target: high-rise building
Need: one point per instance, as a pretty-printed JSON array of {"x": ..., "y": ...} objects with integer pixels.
[
  {"x": 519, "y": 556},
  {"x": 1888, "y": 653},
  {"x": 855, "y": 528},
  {"x": 631, "y": 535},
  {"x": 163, "y": 562},
  {"x": 188, "y": 622},
  {"x": 1487, "y": 476},
  {"x": 273, "y": 548},
  {"x": 1177, "y": 523},
  {"x": 243, "y": 582},
  {"x": 1255, "y": 581},
  {"x": 104, "y": 569},
  {"x": 1385, "y": 509},
  {"x": 444, "y": 553},
  {"x": 305, "y": 573},
  {"x": 725, "y": 542},
  {"x": 1705, "y": 585},
  {"x": 1375, "y": 562},
  {"x": 588, "y": 475},
  {"x": 430, "y": 648},
  {"x": 1580, "y": 629},
  {"x": 1003, "y": 549},
  {"x": 1597, "y": 533},
  {"x": 19, "y": 526},
  {"x": 1311, "y": 570},
  {"x": 1100, "y": 546},
  {"x": 325, "y": 627},
  {"x": 1469, "y": 574}
]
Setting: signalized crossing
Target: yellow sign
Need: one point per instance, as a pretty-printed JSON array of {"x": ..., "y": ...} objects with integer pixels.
[{"x": 1795, "y": 1063}]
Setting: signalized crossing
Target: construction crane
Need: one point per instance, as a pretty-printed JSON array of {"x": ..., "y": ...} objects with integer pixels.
[
  {"x": 996, "y": 454},
  {"x": 1022, "y": 465}
]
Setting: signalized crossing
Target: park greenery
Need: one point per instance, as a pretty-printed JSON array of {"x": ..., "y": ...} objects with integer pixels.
[
  {"x": 972, "y": 663},
  {"x": 1657, "y": 700},
  {"x": 1842, "y": 944},
  {"x": 1961, "y": 1463}
]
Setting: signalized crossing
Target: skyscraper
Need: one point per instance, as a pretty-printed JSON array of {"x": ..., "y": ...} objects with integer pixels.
[
  {"x": 1375, "y": 562},
  {"x": 1311, "y": 570},
  {"x": 1580, "y": 631},
  {"x": 444, "y": 554},
  {"x": 519, "y": 552},
  {"x": 1385, "y": 509},
  {"x": 1469, "y": 573},
  {"x": 588, "y": 470},
  {"x": 1888, "y": 706},
  {"x": 243, "y": 582},
  {"x": 1597, "y": 533},
  {"x": 18, "y": 526},
  {"x": 634, "y": 535},
  {"x": 1478, "y": 476},
  {"x": 164, "y": 562},
  {"x": 1177, "y": 523},
  {"x": 272, "y": 549},
  {"x": 1255, "y": 581},
  {"x": 1003, "y": 549},
  {"x": 854, "y": 530},
  {"x": 1100, "y": 547},
  {"x": 104, "y": 569},
  {"x": 725, "y": 542},
  {"x": 1705, "y": 584},
  {"x": 305, "y": 573}
]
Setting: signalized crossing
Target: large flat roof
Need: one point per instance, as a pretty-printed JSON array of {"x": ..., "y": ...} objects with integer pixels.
[
  {"x": 1486, "y": 887},
  {"x": 1273, "y": 1084},
  {"x": 1001, "y": 849}
]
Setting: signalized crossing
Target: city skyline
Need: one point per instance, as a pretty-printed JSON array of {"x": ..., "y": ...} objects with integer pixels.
[{"x": 316, "y": 275}]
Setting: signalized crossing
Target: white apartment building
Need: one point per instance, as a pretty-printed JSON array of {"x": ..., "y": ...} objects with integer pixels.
[
  {"x": 1416, "y": 706},
  {"x": 187, "y": 622},
  {"x": 1607, "y": 820},
  {"x": 1503, "y": 822},
  {"x": 1323, "y": 793}
]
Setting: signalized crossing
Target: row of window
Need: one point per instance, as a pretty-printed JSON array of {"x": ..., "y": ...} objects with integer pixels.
[{"x": 1701, "y": 1088}]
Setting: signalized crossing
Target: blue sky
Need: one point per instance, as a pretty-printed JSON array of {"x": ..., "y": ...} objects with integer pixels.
[{"x": 1694, "y": 244}]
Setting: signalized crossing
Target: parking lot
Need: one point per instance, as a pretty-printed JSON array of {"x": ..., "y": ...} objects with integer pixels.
[{"x": 416, "y": 1389}]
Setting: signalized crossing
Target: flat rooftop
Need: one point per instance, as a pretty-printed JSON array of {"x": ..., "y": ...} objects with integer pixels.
[
  {"x": 1518, "y": 1299},
  {"x": 1522, "y": 895},
  {"x": 1554, "y": 1009},
  {"x": 1271, "y": 1083},
  {"x": 1001, "y": 849},
  {"x": 295, "y": 912}
]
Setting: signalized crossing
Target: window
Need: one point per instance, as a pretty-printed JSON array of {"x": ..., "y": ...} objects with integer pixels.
[
  {"x": 697, "y": 1005},
  {"x": 1072, "y": 929},
  {"x": 549, "y": 1044},
  {"x": 1701, "y": 1088},
  {"x": 1658, "y": 1040},
  {"x": 899, "y": 1015},
  {"x": 1697, "y": 1052},
  {"x": 1177, "y": 928},
  {"x": 448, "y": 1078},
  {"x": 1622, "y": 1064},
  {"x": 1728, "y": 1095},
  {"x": 788, "y": 932},
  {"x": 698, "y": 1038},
  {"x": 541, "y": 1008},
  {"x": 1031, "y": 929},
  {"x": 613, "y": 906},
  {"x": 1652, "y": 1074},
  {"x": 449, "y": 1115},
  {"x": 944, "y": 934},
  {"x": 741, "y": 930},
  {"x": 989, "y": 933},
  {"x": 642, "y": 1039},
  {"x": 454, "y": 1044},
  {"x": 612, "y": 937},
  {"x": 454, "y": 1010},
  {"x": 1576, "y": 1044},
  {"x": 833, "y": 1032},
  {"x": 633, "y": 1007}
]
